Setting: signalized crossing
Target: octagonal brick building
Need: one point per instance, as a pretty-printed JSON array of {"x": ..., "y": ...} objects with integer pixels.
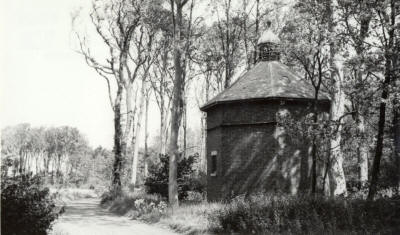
[{"x": 246, "y": 150}]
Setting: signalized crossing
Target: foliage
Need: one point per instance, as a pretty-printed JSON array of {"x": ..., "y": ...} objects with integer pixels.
[
  {"x": 308, "y": 215},
  {"x": 188, "y": 218},
  {"x": 157, "y": 181},
  {"x": 137, "y": 205},
  {"x": 266, "y": 214},
  {"x": 26, "y": 207},
  {"x": 192, "y": 218},
  {"x": 99, "y": 173},
  {"x": 60, "y": 154}
]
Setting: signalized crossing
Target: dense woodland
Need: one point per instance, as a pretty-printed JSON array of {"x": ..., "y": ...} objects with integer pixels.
[
  {"x": 61, "y": 155},
  {"x": 180, "y": 53}
]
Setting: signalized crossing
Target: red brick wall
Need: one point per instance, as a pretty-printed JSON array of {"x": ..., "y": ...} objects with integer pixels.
[{"x": 252, "y": 154}]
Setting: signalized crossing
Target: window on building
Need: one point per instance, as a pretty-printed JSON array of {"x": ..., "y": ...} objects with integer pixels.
[{"x": 213, "y": 163}]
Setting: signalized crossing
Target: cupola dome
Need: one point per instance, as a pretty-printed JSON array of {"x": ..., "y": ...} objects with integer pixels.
[
  {"x": 268, "y": 37},
  {"x": 268, "y": 46}
]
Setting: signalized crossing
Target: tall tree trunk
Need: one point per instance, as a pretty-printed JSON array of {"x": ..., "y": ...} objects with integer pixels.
[
  {"x": 337, "y": 179},
  {"x": 162, "y": 127},
  {"x": 58, "y": 172},
  {"x": 228, "y": 62},
  {"x": 203, "y": 150},
  {"x": 28, "y": 163},
  {"x": 21, "y": 162},
  {"x": 163, "y": 138},
  {"x": 37, "y": 164},
  {"x": 379, "y": 143},
  {"x": 177, "y": 105},
  {"x": 146, "y": 135},
  {"x": 360, "y": 119},
  {"x": 396, "y": 133},
  {"x": 119, "y": 146},
  {"x": 46, "y": 161},
  {"x": 396, "y": 109},
  {"x": 362, "y": 152},
  {"x": 128, "y": 123},
  {"x": 246, "y": 36},
  {"x": 53, "y": 164},
  {"x": 184, "y": 127},
  {"x": 316, "y": 81},
  {"x": 336, "y": 175},
  {"x": 314, "y": 142},
  {"x": 396, "y": 114},
  {"x": 257, "y": 30},
  {"x": 203, "y": 122},
  {"x": 389, "y": 53},
  {"x": 137, "y": 136}
]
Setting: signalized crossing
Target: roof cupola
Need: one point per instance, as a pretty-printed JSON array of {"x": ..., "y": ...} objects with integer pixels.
[{"x": 268, "y": 45}]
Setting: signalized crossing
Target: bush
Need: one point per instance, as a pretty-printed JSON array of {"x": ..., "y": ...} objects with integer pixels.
[
  {"x": 291, "y": 215},
  {"x": 147, "y": 207},
  {"x": 26, "y": 206},
  {"x": 192, "y": 218},
  {"x": 157, "y": 181},
  {"x": 106, "y": 197}
]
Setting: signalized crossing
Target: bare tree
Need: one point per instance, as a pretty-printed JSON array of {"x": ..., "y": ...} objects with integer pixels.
[
  {"x": 118, "y": 24},
  {"x": 229, "y": 32},
  {"x": 146, "y": 132},
  {"x": 161, "y": 83},
  {"x": 150, "y": 50},
  {"x": 179, "y": 48},
  {"x": 143, "y": 106}
]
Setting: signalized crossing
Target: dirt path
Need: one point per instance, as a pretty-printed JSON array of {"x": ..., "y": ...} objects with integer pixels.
[{"x": 86, "y": 217}]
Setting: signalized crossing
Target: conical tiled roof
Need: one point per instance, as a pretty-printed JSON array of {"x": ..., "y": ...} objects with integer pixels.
[{"x": 266, "y": 80}]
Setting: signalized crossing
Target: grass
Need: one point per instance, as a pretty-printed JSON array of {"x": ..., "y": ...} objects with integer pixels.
[
  {"x": 192, "y": 218},
  {"x": 137, "y": 205},
  {"x": 189, "y": 218},
  {"x": 266, "y": 214}
]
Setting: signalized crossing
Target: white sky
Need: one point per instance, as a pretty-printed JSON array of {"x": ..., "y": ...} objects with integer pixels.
[{"x": 43, "y": 81}]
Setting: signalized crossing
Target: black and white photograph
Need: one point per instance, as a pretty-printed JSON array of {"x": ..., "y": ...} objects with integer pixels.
[{"x": 199, "y": 117}]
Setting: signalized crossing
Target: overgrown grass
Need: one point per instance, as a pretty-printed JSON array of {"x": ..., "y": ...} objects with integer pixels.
[
  {"x": 266, "y": 214},
  {"x": 147, "y": 207},
  {"x": 192, "y": 218},
  {"x": 189, "y": 218}
]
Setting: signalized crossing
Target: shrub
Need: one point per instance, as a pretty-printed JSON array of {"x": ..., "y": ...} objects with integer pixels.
[
  {"x": 302, "y": 215},
  {"x": 26, "y": 206},
  {"x": 192, "y": 218},
  {"x": 106, "y": 197},
  {"x": 148, "y": 207},
  {"x": 157, "y": 181}
]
